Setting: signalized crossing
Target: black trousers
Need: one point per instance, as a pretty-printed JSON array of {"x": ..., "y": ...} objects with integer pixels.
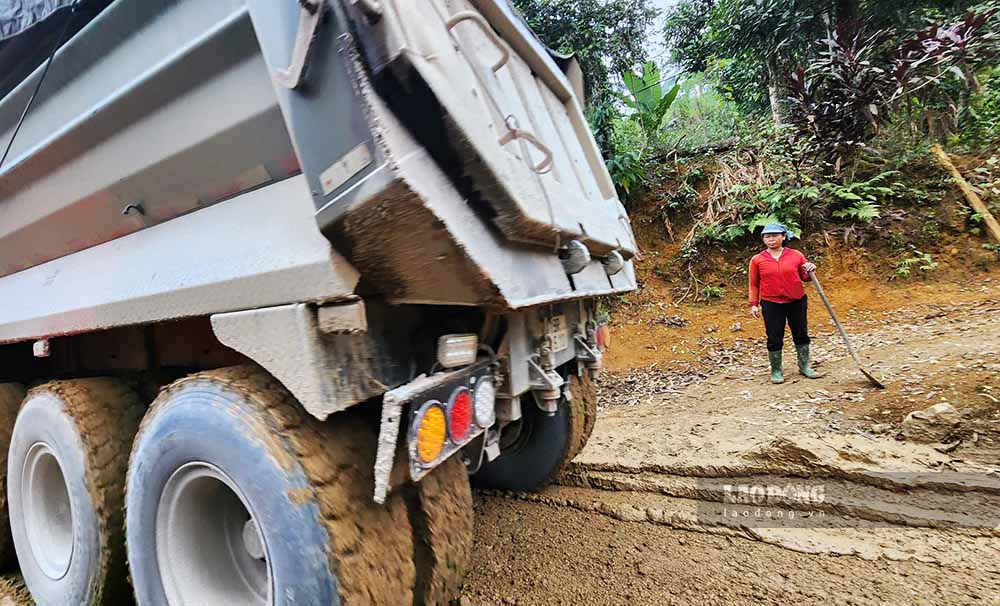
[{"x": 775, "y": 316}]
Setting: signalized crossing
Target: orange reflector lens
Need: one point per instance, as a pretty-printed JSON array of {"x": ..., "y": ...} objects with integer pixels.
[
  {"x": 460, "y": 414},
  {"x": 431, "y": 433}
]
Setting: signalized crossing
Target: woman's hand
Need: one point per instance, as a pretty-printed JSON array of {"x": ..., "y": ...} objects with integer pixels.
[
  {"x": 809, "y": 266},
  {"x": 755, "y": 311}
]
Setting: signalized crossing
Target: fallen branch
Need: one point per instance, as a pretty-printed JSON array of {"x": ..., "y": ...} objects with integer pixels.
[{"x": 970, "y": 194}]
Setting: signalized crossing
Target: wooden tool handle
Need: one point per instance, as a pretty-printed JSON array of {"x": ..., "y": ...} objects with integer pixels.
[{"x": 833, "y": 316}]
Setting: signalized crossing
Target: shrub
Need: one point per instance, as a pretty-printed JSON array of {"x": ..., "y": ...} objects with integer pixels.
[
  {"x": 712, "y": 292},
  {"x": 919, "y": 260},
  {"x": 844, "y": 97},
  {"x": 702, "y": 118},
  {"x": 979, "y": 124},
  {"x": 861, "y": 197}
]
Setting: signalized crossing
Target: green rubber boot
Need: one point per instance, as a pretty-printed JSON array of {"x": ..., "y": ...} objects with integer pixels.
[
  {"x": 804, "y": 368},
  {"x": 776, "y": 376}
]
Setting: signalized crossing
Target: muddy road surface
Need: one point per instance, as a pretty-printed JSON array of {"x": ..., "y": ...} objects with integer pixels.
[
  {"x": 712, "y": 486},
  {"x": 708, "y": 485}
]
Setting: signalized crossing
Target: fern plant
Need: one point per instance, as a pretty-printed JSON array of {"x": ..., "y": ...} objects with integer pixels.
[
  {"x": 862, "y": 211},
  {"x": 861, "y": 197},
  {"x": 628, "y": 170},
  {"x": 919, "y": 260},
  {"x": 712, "y": 292}
]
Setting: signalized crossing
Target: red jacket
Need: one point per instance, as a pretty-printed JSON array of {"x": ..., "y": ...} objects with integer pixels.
[{"x": 777, "y": 280}]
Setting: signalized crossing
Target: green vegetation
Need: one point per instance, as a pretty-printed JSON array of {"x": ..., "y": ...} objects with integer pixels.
[
  {"x": 649, "y": 99},
  {"x": 862, "y": 197},
  {"x": 818, "y": 114},
  {"x": 607, "y": 36},
  {"x": 701, "y": 118},
  {"x": 919, "y": 260},
  {"x": 712, "y": 292}
]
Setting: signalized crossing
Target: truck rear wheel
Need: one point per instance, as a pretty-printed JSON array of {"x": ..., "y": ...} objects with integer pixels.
[
  {"x": 236, "y": 496},
  {"x": 536, "y": 449},
  {"x": 441, "y": 515},
  {"x": 11, "y": 396},
  {"x": 583, "y": 407},
  {"x": 65, "y": 484}
]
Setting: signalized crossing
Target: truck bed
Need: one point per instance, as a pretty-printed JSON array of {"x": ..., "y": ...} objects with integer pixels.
[{"x": 155, "y": 114}]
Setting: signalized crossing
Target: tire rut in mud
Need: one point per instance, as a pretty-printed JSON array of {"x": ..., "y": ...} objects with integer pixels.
[{"x": 954, "y": 523}]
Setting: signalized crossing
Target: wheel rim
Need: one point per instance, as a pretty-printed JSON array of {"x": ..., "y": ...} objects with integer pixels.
[
  {"x": 48, "y": 513},
  {"x": 209, "y": 547}
]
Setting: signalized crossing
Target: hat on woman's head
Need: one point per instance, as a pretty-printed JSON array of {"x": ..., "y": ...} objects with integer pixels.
[{"x": 777, "y": 228}]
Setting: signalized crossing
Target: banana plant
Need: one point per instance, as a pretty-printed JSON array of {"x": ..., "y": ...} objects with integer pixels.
[{"x": 649, "y": 98}]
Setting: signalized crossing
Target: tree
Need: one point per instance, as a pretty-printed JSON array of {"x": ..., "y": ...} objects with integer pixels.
[
  {"x": 774, "y": 34},
  {"x": 750, "y": 46},
  {"x": 861, "y": 77},
  {"x": 684, "y": 33},
  {"x": 607, "y": 36}
]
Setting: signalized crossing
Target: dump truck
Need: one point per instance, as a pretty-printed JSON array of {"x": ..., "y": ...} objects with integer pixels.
[{"x": 278, "y": 280}]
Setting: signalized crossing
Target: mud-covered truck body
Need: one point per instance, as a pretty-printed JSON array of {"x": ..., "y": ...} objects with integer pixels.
[{"x": 277, "y": 277}]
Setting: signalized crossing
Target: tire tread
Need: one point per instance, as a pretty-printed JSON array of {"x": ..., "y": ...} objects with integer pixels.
[
  {"x": 370, "y": 547},
  {"x": 441, "y": 515},
  {"x": 11, "y": 396},
  {"x": 106, "y": 413}
]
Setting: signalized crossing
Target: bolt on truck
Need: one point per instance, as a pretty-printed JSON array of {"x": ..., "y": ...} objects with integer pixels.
[{"x": 278, "y": 279}]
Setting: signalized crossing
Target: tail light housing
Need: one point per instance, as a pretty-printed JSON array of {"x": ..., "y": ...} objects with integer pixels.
[
  {"x": 447, "y": 411},
  {"x": 457, "y": 350}
]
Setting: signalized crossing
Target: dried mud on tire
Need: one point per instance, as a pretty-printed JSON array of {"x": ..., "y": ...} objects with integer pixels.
[
  {"x": 104, "y": 415},
  {"x": 442, "y": 518},
  {"x": 369, "y": 547},
  {"x": 14, "y": 593},
  {"x": 11, "y": 396},
  {"x": 585, "y": 403},
  {"x": 582, "y": 417}
]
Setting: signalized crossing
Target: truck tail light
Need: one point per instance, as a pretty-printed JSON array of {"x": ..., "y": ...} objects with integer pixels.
[
  {"x": 431, "y": 431},
  {"x": 457, "y": 350},
  {"x": 603, "y": 337},
  {"x": 460, "y": 414},
  {"x": 484, "y": 398}
]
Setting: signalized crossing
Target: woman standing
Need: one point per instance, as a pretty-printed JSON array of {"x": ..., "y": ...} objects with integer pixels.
[{"x": 776, "y": 291}]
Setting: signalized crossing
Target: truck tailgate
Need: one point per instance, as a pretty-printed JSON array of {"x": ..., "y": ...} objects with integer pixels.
[{"x": 510, "y": 113}]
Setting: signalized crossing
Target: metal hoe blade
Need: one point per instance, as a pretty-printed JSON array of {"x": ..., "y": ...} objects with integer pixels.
[{"x": 843, "y": 334}]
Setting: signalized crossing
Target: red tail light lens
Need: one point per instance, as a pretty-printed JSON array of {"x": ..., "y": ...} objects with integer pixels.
[
  {"x": 460, "y": 414},
  {"x": 603, "y": 337}
]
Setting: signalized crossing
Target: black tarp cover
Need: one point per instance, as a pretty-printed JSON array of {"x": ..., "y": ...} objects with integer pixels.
[
  {"x": 30, "y": 28},
  {"x": 17, "y": 16}
]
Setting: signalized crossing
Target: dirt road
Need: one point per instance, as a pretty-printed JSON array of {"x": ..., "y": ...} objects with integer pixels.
[
  {"x": 652, "y": 512},
  {"x": 655, "y": 510}
]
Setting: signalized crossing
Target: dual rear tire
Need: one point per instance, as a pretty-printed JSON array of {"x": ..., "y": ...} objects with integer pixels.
[
  {"x": 249, "y": 501},
  {"x": 540, "y": 447},
  {"x": 65, "y": 483},
  {"x": 234, "y": 496}
]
